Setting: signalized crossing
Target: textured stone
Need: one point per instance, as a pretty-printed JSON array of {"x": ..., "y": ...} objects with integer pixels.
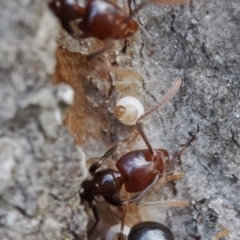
[
  {"x": 41, "y": 168},
  {"x": 199, "y": 42}
]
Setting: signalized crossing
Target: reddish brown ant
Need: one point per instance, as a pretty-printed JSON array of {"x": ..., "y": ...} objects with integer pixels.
[
  {"x": 101, "y": 19},
  {"x": 138, "y": 170}
]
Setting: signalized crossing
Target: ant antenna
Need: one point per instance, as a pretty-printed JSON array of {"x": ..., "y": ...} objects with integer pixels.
[
  {"x": 171, "y": 92},
  {"x": 221, "y": 234}
]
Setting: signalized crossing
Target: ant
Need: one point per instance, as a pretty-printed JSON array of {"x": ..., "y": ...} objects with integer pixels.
[
  {"x": 153, "y": 230},
  {"x": 138, "y": 170},
  {"x": 101, "y": 19}
]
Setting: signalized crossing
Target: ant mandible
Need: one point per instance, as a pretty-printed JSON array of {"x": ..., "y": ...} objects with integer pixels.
[
  {"x": 138, "y": 170},
  {"x": 101, "y": 19}
]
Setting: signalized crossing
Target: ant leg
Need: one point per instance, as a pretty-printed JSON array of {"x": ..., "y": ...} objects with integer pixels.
[
  {"x": 221, "y": 234},
  {"x": 129, "y": 7},
  {"x": 121, "y": 234},
  {"x": 120, "y": 72},
  {"x": 136, "y": 199},
  {"x": 173, "y": 203},
  {"x": 67, "y": 26},
  {"x": 116, "y": 201},
  {"x": 98, "y": 164},
  {"x": 113, "y": 149},
  {"x": 153, "y": 184},
  {"x": 115, "y": 229},
  {"x": 108, "y": 45},
  {"x": 171, "y": 92},
  {"x": 96, "y": 216},
  {"x": 169, "y": 178},
  {"x": 171, "y": 162},
  {"x": 188, "y": 143},
  {"x": 167, "y": 203}
]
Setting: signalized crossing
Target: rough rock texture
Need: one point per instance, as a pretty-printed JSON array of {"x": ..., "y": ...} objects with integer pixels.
[
  {"x": 40, "y": 166},
  {"x": 200, "y": 42}
]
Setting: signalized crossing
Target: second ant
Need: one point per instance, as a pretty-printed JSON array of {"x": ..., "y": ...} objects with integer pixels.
[
  {"x": 138, "y": 170},
  {"x": 101, "y": 19}
]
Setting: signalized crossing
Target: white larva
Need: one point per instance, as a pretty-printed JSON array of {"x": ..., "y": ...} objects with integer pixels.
[
  {"x": 128, "y": 110},
  {"x": 112, "y": 232}
]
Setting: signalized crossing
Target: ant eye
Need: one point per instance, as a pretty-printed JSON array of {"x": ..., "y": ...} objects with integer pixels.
[{"x": 128, "y": 110}]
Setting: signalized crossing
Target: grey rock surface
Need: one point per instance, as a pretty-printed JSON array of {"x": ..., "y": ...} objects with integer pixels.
[
  {"x": 200, "y": 42},
  {"x": 40, "y": 166}
]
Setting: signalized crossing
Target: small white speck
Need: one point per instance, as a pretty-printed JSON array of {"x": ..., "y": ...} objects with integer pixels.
[
  {"x": 58, "y": 116},
  {"x": 66, "y": 94}
]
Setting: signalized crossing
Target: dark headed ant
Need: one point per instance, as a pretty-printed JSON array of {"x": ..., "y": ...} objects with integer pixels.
[
  {"x": 138, "y": 170},
  {"x": 101, "y": 19},
  {"x": 156, "y": 231}
]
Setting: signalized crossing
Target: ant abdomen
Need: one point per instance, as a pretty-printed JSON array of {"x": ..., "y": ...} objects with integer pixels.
[
  {"x": 128, "y": 109},
  {"x": 151, "y": 231},
  {"x": 136, "y": 164}
]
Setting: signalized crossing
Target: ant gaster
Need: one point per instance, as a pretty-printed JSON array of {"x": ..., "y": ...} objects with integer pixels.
[
  {"x": 144, "y": 230},
  {"x": 156, "y": 231},
  {"x": 138, "y": 170},
  {"x": 151, "y": 231},
  {"x": 101, "y": 19}
]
